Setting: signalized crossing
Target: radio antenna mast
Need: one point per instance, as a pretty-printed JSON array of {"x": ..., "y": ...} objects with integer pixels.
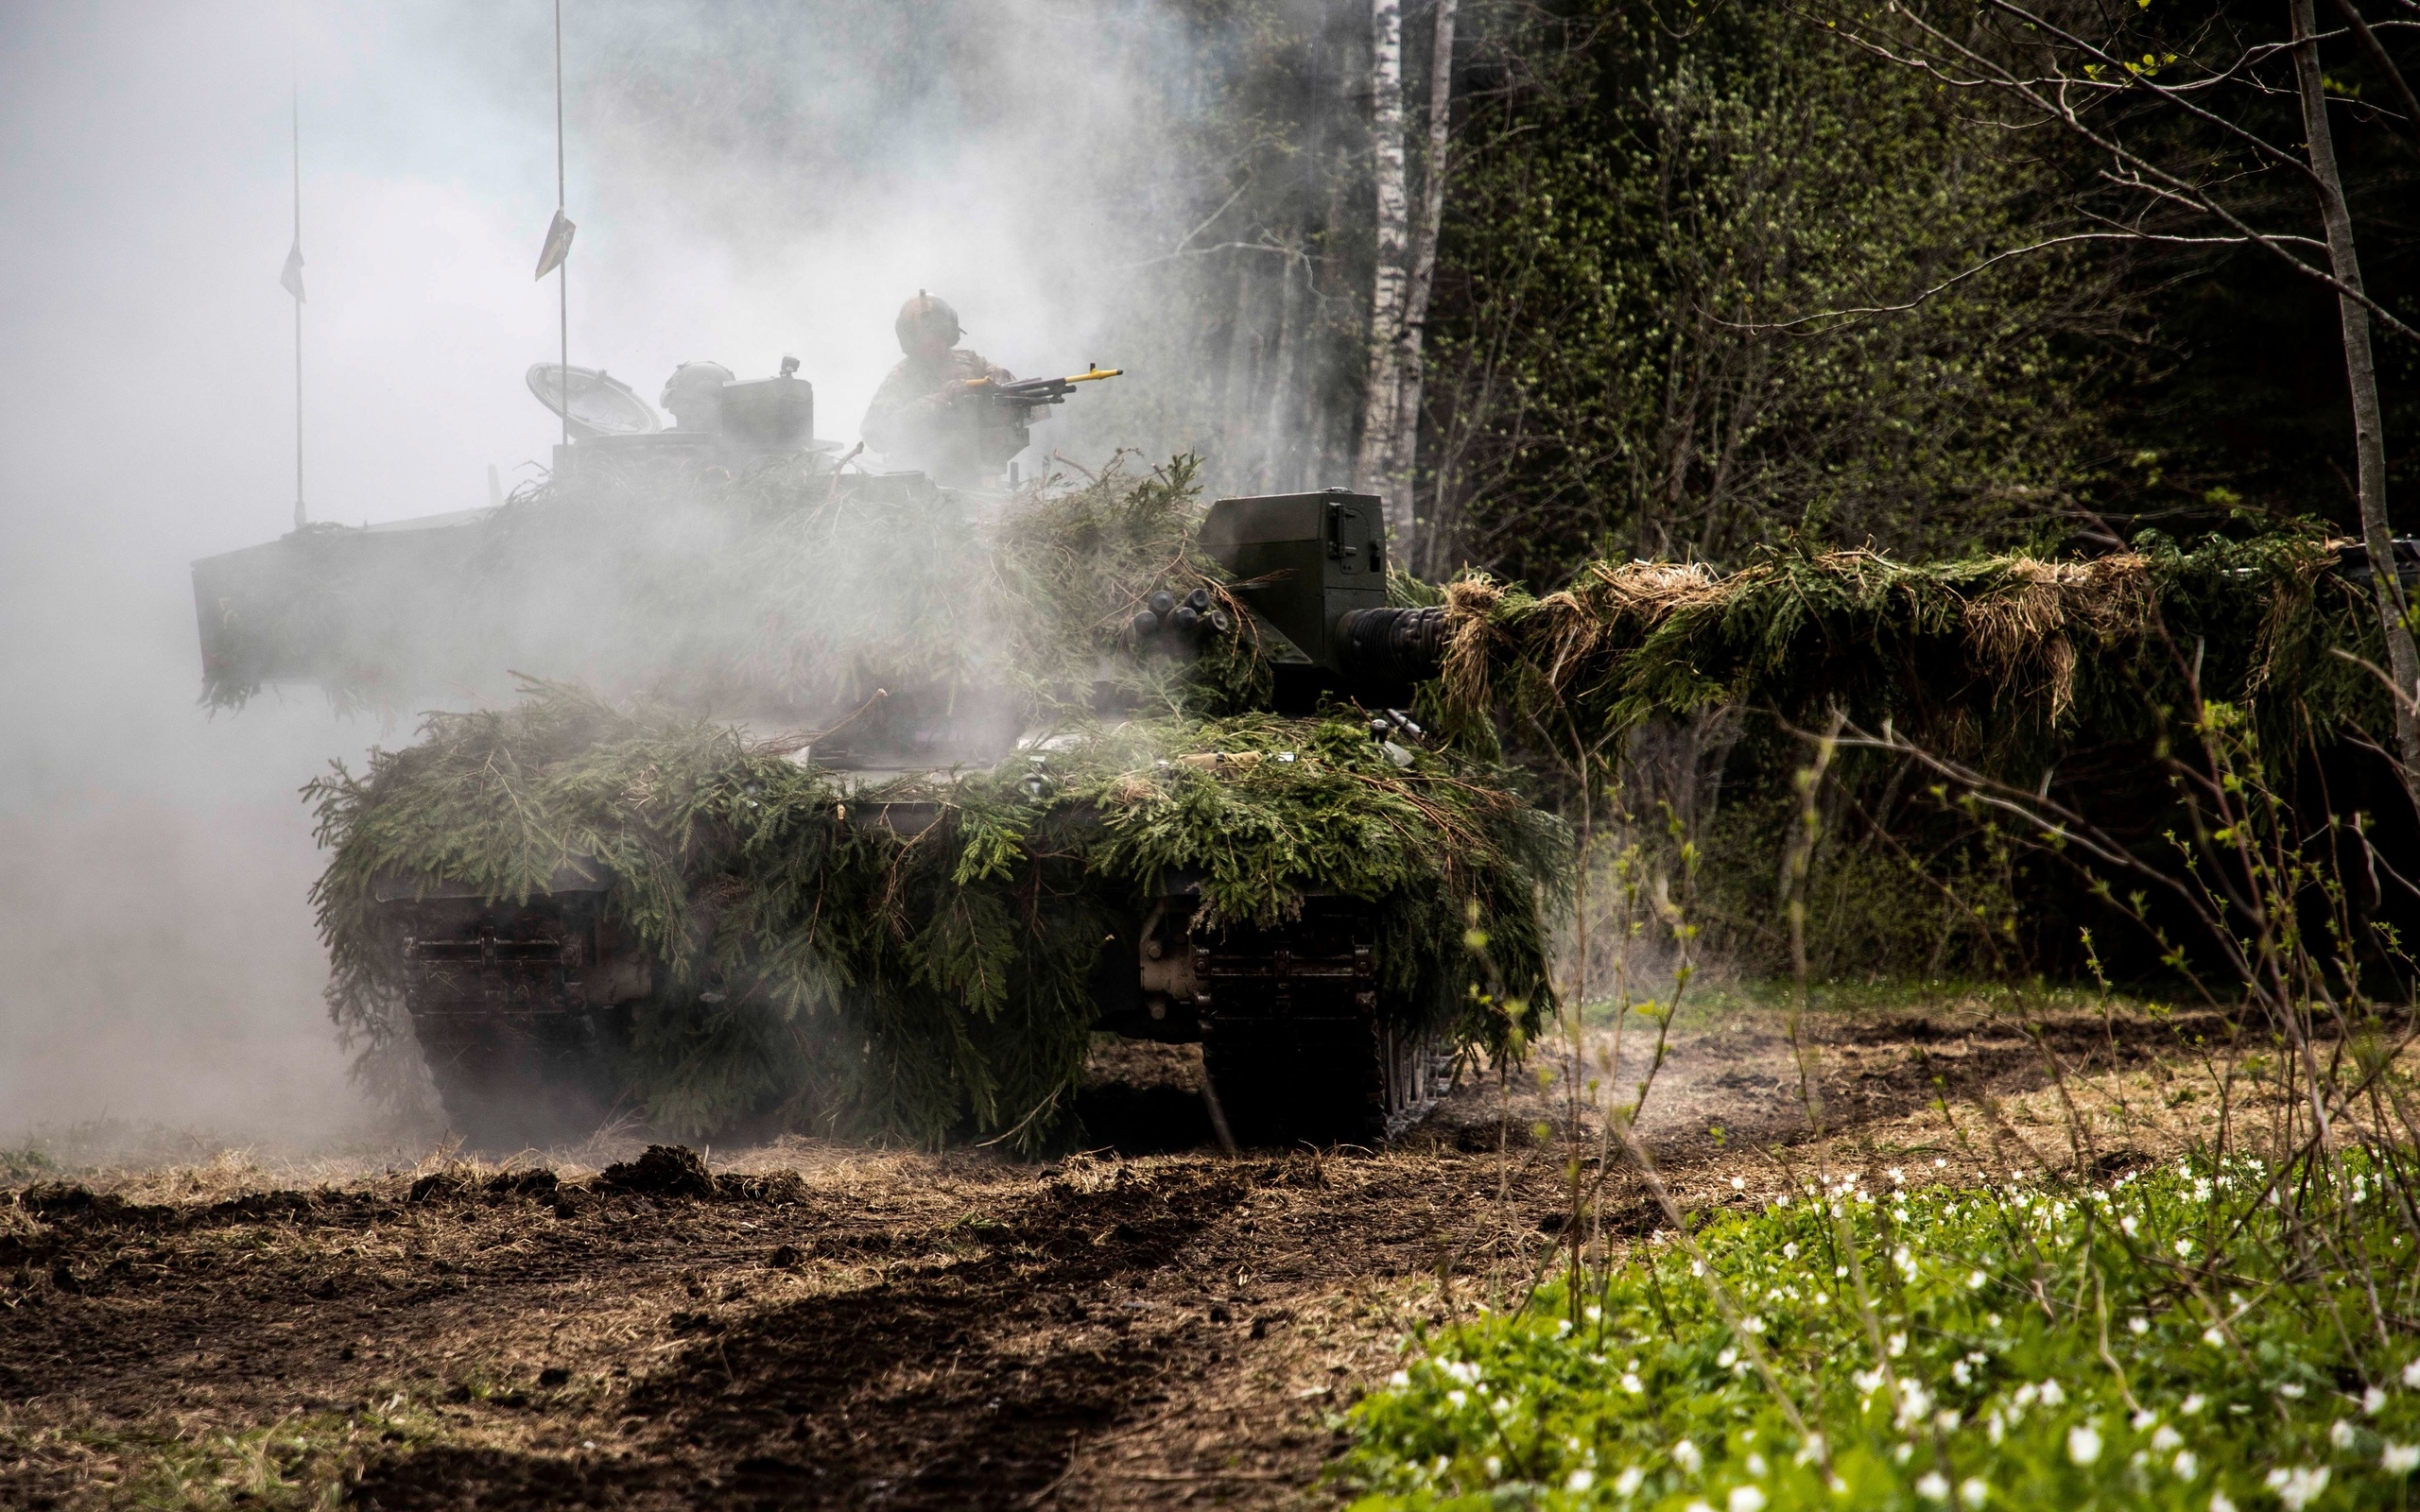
[
  {"x": 563, "y": 268},
  {"x": 292, "y": 278}
]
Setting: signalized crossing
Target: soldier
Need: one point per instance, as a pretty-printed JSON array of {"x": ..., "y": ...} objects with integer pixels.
[
  {"x": 693, "y": 395},
  {"x": 930, "y": 414}
]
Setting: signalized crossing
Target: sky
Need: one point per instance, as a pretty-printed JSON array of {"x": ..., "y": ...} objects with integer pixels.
[{"x": 749, "y": 180}]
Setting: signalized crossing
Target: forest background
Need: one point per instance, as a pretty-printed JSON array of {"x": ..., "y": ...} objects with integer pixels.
[{"x": 1705, "y": 280}]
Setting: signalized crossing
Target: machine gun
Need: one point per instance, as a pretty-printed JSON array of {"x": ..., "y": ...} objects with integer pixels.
[{"x": 1027, "y": 392}]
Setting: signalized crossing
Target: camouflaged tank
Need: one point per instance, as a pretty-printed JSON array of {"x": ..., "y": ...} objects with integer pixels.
[{"x": 838, "y": 799}]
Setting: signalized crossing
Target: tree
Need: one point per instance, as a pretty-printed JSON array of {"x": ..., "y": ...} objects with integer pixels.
[{"x": 1638, "y": 209}]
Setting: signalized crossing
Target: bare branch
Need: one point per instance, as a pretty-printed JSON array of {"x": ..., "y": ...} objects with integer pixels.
[{"x": 2376, "y": 51}]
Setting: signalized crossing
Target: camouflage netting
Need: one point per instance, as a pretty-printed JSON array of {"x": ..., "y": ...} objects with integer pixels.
[
  {"x": 937, "y": 983},
  {"x": 1997, "y": 659}
]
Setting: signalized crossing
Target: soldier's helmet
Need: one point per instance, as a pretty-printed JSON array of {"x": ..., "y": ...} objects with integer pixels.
[
  {"x": 693, "y": 395},
  {"x": 927, "y": 315}
]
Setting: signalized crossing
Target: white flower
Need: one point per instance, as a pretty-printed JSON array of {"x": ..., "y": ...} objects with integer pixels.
[
  {"x": 2139, "y": 1325},
  {"x": 1974, "y": 1281},
  {"x": 2167, "y": 1438},
  {"x": 2185, "y": 1465},
  {"x": 1580, "y": 1481},
  {"x": 1898, "y": 1178},
  {"x": 1905, "y": 1261},
  {"x": 1971, "y": 1490},
  {"x": 2399, "y": 1460},
  {"x": 1697, "y": 1507},
  {"x": 2127, "y": 1226},
  {"x": 1626, "y": 1484},
  {"x": 2052, "y": 1394},
  {"x": 1697, "y": 1267},
  {"x": 1934, "y": 1486},
  {"x": 2191, "y": 1404},
  {"x": 1685, "y": 1456},
  {"x": 2411, "y": 1375},
  {"x": 1401, "y": 1378},
  {"x": 1789, "y": 1251},
  {"x": 2299, "y": 1487},
  {"x": 2340, "y": 1433},
  {"x": 1903, "y": 1452},
  {"x": 2372, "y": 1401},
  {"x": 1726, "y": 1358},
  {"x": 2291, "y": 1391},
  {"x": 1747, "y": 1499},
  {"x": 2084, "y": 1443},
  {"x": 1632, "y": 1383},
  {"x": 1898, "y": 1344},
  {"x": 1840, "y": 1273},
  {"x": 1752, "y": 1324},
  {"x": 1823, "y": 1298},
  {"x": 1738, "y": 1184},
  {"x": 2214, "y": 1338},
  {"x": 1757, "y": 1465},
  {"x": 1494, "y": 1466},
  {"x": 2184, "y": 1248},
  {"x": 2142, "y": 1420},
  {"x": 2219, "y": 1502},
  {"x": 1457, "y": 1398}
]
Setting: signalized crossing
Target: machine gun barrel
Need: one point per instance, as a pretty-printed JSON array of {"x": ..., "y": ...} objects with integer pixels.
[{"x": 1041, "y": 391}]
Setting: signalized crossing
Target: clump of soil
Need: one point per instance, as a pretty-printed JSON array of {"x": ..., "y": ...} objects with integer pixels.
[{"x": 664, "y": 1171}]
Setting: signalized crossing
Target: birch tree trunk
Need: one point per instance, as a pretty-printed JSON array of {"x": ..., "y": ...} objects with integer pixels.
[
  {"x": 1278, "y": 471},
  {"x": 1382, "y": 393},
  {"x": 1412, "y": 363},
  {"x": 2369, "y": 435}
]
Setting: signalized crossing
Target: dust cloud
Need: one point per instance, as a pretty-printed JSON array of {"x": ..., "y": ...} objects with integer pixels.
[{"x": 749, "y": 180}]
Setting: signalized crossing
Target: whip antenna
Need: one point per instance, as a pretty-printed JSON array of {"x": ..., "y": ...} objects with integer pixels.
[
  {"x": 291, "y": 279},
  {"x": 554, "y": 257},
  {"x": 563, "y": 269}
]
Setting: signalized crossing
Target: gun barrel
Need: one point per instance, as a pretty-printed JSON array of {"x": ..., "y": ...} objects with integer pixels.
[{"x": 1391, "y": 646}]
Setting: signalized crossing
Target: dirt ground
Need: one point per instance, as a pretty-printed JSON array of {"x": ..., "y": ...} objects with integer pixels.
[{"x": 1145, "y": 1324}]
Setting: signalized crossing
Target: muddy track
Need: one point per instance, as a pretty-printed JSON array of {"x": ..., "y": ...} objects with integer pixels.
[{"x": 837, "y": 1328}]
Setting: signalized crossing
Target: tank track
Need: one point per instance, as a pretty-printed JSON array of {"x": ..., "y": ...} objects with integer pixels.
[
  {"x": 1296, "y": 1042},
  {"x": 500, "y": 1001}
]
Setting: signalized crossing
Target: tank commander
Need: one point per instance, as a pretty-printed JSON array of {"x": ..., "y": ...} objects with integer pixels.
[
  {"x": 933, "y": 413},
  {"x": 693, "y": 396}
]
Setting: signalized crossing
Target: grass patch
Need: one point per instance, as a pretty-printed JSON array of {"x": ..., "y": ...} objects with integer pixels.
[
  {"x": 307, "y": 1460},
  {"x": 2148, "y": 1342}
]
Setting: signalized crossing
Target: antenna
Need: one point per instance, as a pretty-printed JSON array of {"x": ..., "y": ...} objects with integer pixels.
[
  {"x": 563, "y": 271},
  {"x": 302, "y": 516}
]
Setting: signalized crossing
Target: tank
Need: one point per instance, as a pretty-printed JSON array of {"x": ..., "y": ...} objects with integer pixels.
[{"x": 1064, "y": 714}]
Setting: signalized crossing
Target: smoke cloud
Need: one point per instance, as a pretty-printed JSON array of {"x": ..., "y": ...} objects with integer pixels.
[{"x": 749, "y": 182}]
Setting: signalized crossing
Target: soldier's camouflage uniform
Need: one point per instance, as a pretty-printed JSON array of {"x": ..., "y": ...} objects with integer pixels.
[{"x": 925, "y": 418}]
